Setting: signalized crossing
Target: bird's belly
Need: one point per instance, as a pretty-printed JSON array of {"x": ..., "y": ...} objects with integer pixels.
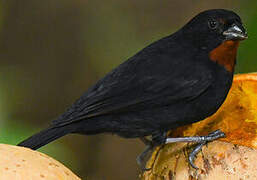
[{"x": 203, "y": 106}]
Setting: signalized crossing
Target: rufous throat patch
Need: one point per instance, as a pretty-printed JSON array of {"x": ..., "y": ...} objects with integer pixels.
[{"x": 225, "y": 54}]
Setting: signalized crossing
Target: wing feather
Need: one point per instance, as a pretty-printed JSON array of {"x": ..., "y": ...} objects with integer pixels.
[{"x": 140, "y": 83}]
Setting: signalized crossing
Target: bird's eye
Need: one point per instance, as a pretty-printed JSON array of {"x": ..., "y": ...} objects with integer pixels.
[{"x": 213, "y": 24}]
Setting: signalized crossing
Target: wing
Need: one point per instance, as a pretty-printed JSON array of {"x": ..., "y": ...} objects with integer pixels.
[{"x": 141, "y": 81}]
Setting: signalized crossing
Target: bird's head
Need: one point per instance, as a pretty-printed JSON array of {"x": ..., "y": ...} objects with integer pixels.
[{"x": 217, "y": 32}]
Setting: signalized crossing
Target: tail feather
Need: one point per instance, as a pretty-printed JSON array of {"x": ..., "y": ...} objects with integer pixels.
[{"x": 44, "y": 137}]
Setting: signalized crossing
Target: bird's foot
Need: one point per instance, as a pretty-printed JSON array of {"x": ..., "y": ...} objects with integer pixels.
[
  {"x": 158, "y": 138},
  {"x": 201, "y": 140},
  {"x": 142, "y": 158}
]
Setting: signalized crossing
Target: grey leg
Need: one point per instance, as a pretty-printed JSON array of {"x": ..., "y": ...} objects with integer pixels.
[
  {"x": 201, "y": 140},
  {"x": 193, "y": 154},
  {"x": 158, "y": 138},
  {"x": 141, "y": 158}
]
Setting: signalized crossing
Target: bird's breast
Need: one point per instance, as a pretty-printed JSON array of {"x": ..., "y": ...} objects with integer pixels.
[{"x": 216, "y": 94}]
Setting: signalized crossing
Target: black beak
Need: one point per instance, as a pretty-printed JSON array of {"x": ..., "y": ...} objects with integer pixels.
[{"x": 235, "y": 33}]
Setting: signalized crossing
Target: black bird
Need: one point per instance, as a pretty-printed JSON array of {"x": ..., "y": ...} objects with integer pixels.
[{"x": 180, "y": 79}]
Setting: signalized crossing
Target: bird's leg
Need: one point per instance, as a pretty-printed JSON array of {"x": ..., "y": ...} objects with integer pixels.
[
  {"x": 158, "y": 138},
  {"x": 201, "y": 140},
  {"x": 141, "y": 158}
]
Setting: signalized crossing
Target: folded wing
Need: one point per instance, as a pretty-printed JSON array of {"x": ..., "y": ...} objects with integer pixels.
[{"x": 140, "y": 83}]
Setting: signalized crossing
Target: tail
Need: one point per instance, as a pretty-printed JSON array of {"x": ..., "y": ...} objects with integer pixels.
[{"x": 44, "y": 137}]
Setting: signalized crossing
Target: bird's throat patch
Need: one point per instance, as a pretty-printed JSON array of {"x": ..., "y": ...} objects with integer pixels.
[{"x": 225, "y": 54}]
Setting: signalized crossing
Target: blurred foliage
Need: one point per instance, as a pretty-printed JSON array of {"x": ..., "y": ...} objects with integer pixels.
[
  {"x": 247, "y": 51},
  {"x": 52, "y": 51}
]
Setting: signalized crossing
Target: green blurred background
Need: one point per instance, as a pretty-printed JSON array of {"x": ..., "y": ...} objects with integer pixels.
[{"x": 52, "y": 50}]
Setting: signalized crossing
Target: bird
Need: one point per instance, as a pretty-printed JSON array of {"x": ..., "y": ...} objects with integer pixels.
[{"x": 175, "y": 81}]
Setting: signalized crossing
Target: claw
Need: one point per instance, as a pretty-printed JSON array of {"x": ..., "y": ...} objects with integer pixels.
[
  {"x": 192, "y": 155},
  {"x": 215, "y": 132},
  {"x": 191, "y": 161},
  {"x": 141, "y": 158},
  {"x": 210, "y": 137},
  {"x": 158, "y": 138}
]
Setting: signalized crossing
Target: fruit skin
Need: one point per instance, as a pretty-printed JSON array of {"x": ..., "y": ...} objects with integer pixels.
[
  {"x": 19, "y": 163},
  {"x": 218, "y": 160}
]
